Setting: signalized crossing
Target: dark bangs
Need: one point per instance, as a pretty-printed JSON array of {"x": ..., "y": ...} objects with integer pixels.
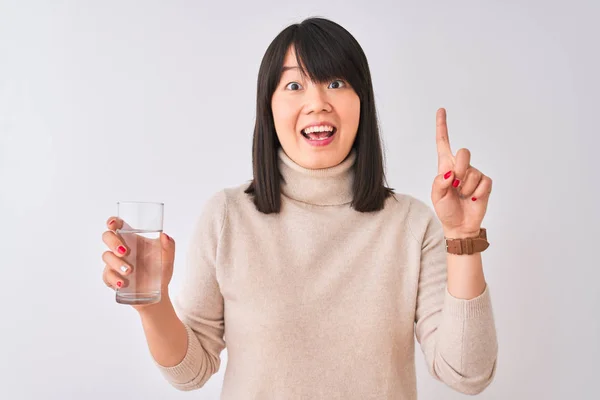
[
  {"x": 325, "y": 51},
  {"x": 325, "y": 55}
]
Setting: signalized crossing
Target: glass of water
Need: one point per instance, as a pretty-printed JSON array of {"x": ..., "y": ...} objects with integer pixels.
[{"x": 142, "y": 225}]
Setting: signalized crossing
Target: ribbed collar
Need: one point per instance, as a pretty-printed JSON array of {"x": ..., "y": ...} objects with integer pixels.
[{"x": 322, "y": 187}]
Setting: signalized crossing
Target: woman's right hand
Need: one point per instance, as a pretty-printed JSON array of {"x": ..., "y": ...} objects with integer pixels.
[{"x": 117, "y": 269}]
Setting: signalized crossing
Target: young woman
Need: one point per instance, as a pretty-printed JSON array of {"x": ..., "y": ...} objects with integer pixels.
[{"x": 316, "y": 276}]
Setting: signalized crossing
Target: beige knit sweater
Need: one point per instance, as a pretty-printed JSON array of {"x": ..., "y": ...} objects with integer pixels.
[{"x": 323, "y": 302}]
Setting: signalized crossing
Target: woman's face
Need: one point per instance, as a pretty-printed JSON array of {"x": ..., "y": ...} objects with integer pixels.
[{"x": 332, "y": 107}]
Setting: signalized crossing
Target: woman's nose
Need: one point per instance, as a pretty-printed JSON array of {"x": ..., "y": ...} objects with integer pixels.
[{"x": 316, "y": 100}]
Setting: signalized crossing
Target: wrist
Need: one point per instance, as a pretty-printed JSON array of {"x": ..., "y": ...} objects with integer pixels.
[
  {"x": 149, "y": 310},
  {"x": 460, "y": 234}
]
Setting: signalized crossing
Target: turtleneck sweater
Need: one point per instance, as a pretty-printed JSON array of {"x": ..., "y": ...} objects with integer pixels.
[{"x": 320, "y": 301}]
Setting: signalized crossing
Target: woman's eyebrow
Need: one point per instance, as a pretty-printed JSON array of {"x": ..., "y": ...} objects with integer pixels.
[{"x": 284, "y": 68}]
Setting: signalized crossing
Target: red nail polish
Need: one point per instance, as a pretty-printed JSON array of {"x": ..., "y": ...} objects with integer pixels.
[
  {"x": 119, "y": 284},
  {"x": 111, "y": 221},
  {"x": 168, "y": 237},
  {"x": 456, "y": 183},
  {"x": 447, "y": 174},
  {"x": 473, "y": 198},
  {"x": 121, "y": 249}
]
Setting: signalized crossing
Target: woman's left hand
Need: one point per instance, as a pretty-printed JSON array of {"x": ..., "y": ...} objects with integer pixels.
[{"x": 460, "y": 192}]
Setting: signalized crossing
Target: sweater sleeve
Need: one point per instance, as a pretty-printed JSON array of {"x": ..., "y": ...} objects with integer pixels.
[
  {"x": 457, "y": 336},
  {"x": 199, "y": 303}
]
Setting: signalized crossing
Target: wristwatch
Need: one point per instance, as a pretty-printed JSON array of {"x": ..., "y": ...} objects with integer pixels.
[{"x": 468, "y": 245}]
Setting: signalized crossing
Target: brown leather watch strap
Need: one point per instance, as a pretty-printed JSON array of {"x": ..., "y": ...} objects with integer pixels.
[{"x": 468, "y": 245}]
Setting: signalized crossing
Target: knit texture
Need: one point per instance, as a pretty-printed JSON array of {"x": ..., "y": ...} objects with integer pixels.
[{"x": 321, "y": 301}]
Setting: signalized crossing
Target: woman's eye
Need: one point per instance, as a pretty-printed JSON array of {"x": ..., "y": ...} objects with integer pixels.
[
  {"x": 341, "y": 84},
  {"x": 293, "y": 86}
]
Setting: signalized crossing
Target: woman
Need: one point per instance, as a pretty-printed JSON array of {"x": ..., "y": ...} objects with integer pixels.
[{"x": 317, "y": 276}]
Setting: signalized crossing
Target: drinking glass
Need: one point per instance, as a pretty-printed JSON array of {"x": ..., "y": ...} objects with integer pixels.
[{"x": 142, "y": 225}]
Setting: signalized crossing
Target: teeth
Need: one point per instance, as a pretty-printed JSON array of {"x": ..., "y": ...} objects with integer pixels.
[
  {"x": 312, "y": 136},
  {"x": 314, "y": 129},
  {"x": 322, "y": 138}
]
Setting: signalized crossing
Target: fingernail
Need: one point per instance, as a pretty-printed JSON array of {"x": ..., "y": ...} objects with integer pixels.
[
  {"x": 473, "y": 198},
  {"x": 121, "y": 249},
  {"x": 124, "y": 268},
  {"x": 456, "y": 183},
  {"x": 111, "y": 221},
  {"x": 447, "y": 174},
  {"x": 119, "y": 284},
  {"x": 168, "y": 237}
]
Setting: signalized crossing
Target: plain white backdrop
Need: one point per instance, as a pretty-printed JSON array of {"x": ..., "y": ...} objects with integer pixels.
[{"x": 102, "y": 101}]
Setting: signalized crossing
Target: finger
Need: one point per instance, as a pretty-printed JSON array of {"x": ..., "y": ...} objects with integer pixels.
[
  {"x": 168, "y": 249},
  {"x": 470, "y": 182},
  {"x": 483, "y": 190},
  {"x": 442, "y": 140},
  {"x": 441, "y": 185},
  {"x": 463, "y": 160},
  {"x": 113, "y": 279},
  {"x": 114, "y": 243},
  {"x": 114, "y": 223},
  {"x": 117, "y": 263}
]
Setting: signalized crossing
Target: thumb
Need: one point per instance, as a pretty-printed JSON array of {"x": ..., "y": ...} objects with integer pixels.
[
  {"x": 168, "y": 249},
  {"x": 441, "y": 185}
]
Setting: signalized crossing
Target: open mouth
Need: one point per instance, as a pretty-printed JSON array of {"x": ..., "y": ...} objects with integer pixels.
[{"x": 319, "y": 135}]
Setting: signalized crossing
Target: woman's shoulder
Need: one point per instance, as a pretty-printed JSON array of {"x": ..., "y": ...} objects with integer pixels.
[
  {"x": 409, "y": 203},
  {"x": 228, "y": 198},
  {"x": 223, "y": 197},
  {"x": 236, "y": 195},
  {"x": 216, "y": 207},
  {"x": 420, "y": 216}
]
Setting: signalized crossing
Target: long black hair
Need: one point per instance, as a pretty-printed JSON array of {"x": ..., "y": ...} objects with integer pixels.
[{"x": 325, "y": 51}]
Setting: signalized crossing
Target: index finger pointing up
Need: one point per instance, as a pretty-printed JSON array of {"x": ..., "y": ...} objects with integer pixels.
[{"x": 443, "y": 143}]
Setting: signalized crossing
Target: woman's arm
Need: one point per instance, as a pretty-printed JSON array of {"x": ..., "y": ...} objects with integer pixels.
[
  {"x": 186, "y": 343},
  {"x": 165, "y": 333},
  {"x": 454, "y": 322}
]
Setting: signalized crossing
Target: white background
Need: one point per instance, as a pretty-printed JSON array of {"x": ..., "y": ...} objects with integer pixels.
[{"x": 102, "y": 101}]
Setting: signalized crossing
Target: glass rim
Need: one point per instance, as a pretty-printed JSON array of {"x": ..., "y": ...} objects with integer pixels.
[{"x": 141, "y": 202}]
